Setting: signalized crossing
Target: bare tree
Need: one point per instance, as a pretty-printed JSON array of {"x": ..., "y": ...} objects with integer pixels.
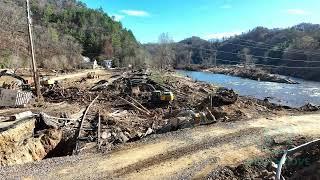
[
  {"x": 247, "y": 58},
  {"x": 165, "y": 53}
]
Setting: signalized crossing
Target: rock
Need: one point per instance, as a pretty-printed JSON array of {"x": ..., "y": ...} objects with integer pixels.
[
  {"x": 50, "y": 139},
  {"x": 123, "y": 137},
  {"x": 310, "y": 107},
  {"x": 149, "y": 131},
  {"x": 106, "y": 135},
  {"x": 272, "y": 166},
  {"x": 139, "y": 134}
]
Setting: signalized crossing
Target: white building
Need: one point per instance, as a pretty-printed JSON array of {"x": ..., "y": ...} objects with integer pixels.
[
  {"x": 87, "y": 64},
  {"x": 107, "y": 63}
]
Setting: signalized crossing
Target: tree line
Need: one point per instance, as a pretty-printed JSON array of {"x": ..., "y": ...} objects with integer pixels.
[
  {"x": 293, "y": 51},
  {"x": 64, "y": 31}
]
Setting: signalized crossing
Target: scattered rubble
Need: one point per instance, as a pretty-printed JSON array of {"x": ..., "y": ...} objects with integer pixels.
[
  {"x": 310, "y": 107},
  {"x": 127, "y": 107}
]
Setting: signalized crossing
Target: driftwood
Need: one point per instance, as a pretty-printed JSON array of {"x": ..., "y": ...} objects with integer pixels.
[
  {"x": 144, "y": 108},
  {"x": 211, "y": 115},
  {"x": 17, "y": 117},
  {"x": 136, "y": 107}
]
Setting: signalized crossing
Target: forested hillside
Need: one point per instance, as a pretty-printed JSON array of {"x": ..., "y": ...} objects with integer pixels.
[
  {"x": 64, "y": 30},
  {"x": 293, "y": 51}
]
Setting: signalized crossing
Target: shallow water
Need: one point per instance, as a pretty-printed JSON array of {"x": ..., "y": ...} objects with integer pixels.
[{"x": 294, "y": 95}]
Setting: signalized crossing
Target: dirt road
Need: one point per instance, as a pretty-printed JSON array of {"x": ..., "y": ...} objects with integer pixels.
[
  {"x": 189, "y": 153},
  {"x": 78, "y": 74}
]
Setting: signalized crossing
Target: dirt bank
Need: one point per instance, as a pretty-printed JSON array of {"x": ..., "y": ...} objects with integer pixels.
[{"x": 21, "y": 143}]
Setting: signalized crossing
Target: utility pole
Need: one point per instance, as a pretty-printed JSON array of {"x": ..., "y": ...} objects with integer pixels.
[
  {"x": 190, "y": 57},
  {"x": 215, "y": 58},
  {"x": 34, "y": 63}
]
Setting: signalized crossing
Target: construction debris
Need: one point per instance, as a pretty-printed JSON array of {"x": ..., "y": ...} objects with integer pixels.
[
  {"x": 132, "y": 105},
  {"x": 303, "y": 163},
  {"x": 14, "y": 98}
]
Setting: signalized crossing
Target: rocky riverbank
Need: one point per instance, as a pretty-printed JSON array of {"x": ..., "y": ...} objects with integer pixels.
[{"x": 249, "y": 73}]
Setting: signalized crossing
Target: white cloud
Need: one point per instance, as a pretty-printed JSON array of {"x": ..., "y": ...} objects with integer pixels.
[
  {"x": 118, "y": 17},
  {"x": 220, "y": 35},
  {"x": 297, "y": 12},
  {"x": 226, "y": 6},
  {"x": 135, "y": 13}
]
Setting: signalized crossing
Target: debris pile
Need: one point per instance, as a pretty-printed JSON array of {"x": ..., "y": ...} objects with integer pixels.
[
  {"x": 129, "y": 106},
  {"x": 132, "y": 105}
]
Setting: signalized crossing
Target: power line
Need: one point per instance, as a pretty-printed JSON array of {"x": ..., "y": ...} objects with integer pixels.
[
  {"x": 287, "y": 51},
  {"x": 271, "y": 46},
  {"x": 264, "y": 57},
  {"x": 273, "y": 66}
]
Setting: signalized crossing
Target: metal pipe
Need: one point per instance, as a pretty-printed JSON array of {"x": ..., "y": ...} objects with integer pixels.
[{"x": 290, "y": 152}]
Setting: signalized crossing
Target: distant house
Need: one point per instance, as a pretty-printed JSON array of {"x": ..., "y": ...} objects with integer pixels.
[
  {"x": 85, "y": 59},
  {"x": 87, "y": 64},
  {"x": 107, "y": 63}
]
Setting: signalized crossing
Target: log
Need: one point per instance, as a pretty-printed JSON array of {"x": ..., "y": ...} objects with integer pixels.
[
  {"x": 211, "y": 115},
  {"x": 144, "y": 108},
  {"x": 136, "y": 107}
]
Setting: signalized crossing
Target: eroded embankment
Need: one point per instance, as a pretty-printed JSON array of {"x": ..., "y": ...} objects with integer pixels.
[{"x": 20, "y": 143}]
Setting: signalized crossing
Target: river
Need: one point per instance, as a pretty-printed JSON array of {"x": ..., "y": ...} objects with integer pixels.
[{"x": 294, "y": 95}]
